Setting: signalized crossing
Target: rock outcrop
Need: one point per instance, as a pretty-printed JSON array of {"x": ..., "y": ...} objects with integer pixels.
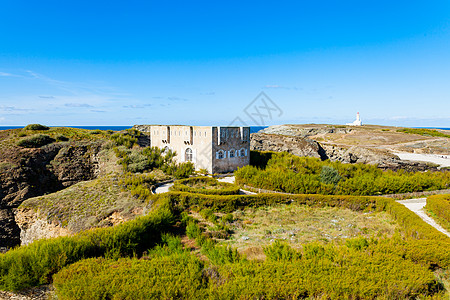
[
  {"x": 291, "y": 144},
  {"x": 33, "y": 172},
  {"x": 35, "y": 226}
]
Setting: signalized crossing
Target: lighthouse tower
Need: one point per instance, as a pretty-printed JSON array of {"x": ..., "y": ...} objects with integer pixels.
[{"x": 357, "y": 122}]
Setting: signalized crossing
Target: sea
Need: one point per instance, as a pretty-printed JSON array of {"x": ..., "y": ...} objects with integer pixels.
[{"x": 253, "y": 129}]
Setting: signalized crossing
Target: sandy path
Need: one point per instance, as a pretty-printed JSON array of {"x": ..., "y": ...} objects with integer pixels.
[
  {"x": 442, "y": 160},
  {"x": 163, "y": 188},
  {"x": 416, "y": 206}
]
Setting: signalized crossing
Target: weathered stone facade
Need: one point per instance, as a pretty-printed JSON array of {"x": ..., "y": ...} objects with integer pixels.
[{"x": 217, "y": 149}]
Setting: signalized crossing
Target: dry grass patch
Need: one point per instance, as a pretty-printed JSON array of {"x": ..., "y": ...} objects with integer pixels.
[
  {"x": 96, "y": 203},
  {"x": 302, "y": 224}
]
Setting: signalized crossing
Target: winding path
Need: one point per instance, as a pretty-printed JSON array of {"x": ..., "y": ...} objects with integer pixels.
[
  {"x": 164, "y": 188},
  {"x": 417, "y": 206}
]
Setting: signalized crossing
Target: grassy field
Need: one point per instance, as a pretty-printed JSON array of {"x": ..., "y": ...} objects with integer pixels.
[{"x": 297, "y": 225}]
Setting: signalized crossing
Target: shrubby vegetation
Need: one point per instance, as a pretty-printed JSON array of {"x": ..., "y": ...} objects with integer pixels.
[
  {"x": 440, "y": 206},
  {"x": 128, "y": 138},
  {"x": 423, "y": 131},
  {"x": 35, "y": 141},
  {"x": 395, "y": 268},
  {"x": 36, "y": 127},
  {"x": 35, "y": 264},
  {"x": 306, "y": 175},
  {"x": 205, "y": 185},
  {"x": 139, "y": 260},
  {"x": 138, "y": 160}
]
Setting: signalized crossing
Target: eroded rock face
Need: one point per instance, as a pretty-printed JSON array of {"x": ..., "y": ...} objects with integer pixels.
[
  {"x": 292, "y": 144},
  {"x": 35, "y": 172},
  {"x": 34, "y": 226}
]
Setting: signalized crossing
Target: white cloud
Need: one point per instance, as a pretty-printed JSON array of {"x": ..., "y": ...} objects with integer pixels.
[{"x": 77, "y": 105}]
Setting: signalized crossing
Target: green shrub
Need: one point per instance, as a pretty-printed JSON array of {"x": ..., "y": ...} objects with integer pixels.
[
  {"x": 205, "y": 185},
  {"x": 34, "y": 264},
  {"x": 145, "y": 159},
  {"x": 423, "y": 131},
  {"x": 329, "y": 175},
  {"x": 209, "y": 215},
  {"x": 228, "y": 218},
  {"x": 96, "y": 131},
  {"x": 128, "y": 139},
  {"x": 280, "y": 251},
  {"x": 61, "y": 138},
  {"x": 180, "y": 170},
  {"x": 193, "y": 231},
  {"x": 307, "y": 175},
  {"x": 35, "y": 141},
  {"x": 177, "y": 276},
  {"x": 36, "y": 127},
  {"x": 139, "y": 185},
  {"x": 440, "y": 206}
]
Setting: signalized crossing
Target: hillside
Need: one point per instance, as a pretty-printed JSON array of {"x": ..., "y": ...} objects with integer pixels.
[{"x": 65, "y": 157}]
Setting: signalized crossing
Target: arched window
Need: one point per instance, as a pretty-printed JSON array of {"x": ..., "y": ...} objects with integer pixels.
[
  {"x": 232, "y": 153},
  {"x": 220, "y": 154},
  {"x": 188, "y": 154},
  {"x": 242, "y": 152}
]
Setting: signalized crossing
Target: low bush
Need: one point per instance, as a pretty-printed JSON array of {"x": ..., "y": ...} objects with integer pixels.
[
  {"x": 61, "y": 138},
  {"x": 34, "y": 264},
  {"x": 205, "y": 185},
  {"x": 36, "y": 127},
  {"x": 307, "y": 175},
  {"x": 440, "y": 206},
  {"x": 423, "y": 131},
  {"x": 325, "y": 272},
  {"x": 35, "y": 141},
  {"x": 139, "y": 185},
  {"x": 144, "y": 159},
  {"x": 128, "y": 138},
  {"x": 175, "y": 276}
]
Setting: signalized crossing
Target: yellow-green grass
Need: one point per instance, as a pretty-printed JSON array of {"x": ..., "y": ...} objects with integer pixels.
[
  {"x": 86, "y": 204},
  {"x": 300, "y": 224}
]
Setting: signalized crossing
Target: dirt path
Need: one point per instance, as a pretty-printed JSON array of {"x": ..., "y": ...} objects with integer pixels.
[
  {"x": 416, "y": 206},
  {"x": 163, "y": 188}
]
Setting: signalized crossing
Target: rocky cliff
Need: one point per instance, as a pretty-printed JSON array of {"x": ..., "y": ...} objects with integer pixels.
[{"x": 30, "y": 172}]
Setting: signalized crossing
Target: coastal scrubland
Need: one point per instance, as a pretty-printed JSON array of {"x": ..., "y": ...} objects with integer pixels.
[
  {"x": 439, "y": 207},
  {"x": 288, "y": 173},
  {"x": 204, "y": 240}
]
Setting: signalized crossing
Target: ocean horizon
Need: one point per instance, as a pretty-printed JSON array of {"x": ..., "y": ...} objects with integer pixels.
[{"x": 253, "y": 129}]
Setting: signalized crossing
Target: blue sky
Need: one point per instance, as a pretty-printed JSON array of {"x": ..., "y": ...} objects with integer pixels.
[{"x": 204, "y": 62}]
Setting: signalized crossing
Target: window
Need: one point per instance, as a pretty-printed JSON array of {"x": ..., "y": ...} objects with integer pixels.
[
  {"x": 205, "y": 133},
  {"x": 188, "y": 154},
  {"x": 232, "y": 153},
  {"x": 242, "y": 152},
  {"x": 220, "y": 154}
]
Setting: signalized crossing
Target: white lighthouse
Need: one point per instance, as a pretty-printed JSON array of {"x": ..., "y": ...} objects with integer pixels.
[{"x": 357, "y": 122}]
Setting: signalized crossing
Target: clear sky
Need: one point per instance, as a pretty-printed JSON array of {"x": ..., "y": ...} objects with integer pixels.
[{"x": 204, "y": 62}]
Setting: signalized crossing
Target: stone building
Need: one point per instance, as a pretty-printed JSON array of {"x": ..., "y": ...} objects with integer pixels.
[{"x": 216, "y": 149}]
